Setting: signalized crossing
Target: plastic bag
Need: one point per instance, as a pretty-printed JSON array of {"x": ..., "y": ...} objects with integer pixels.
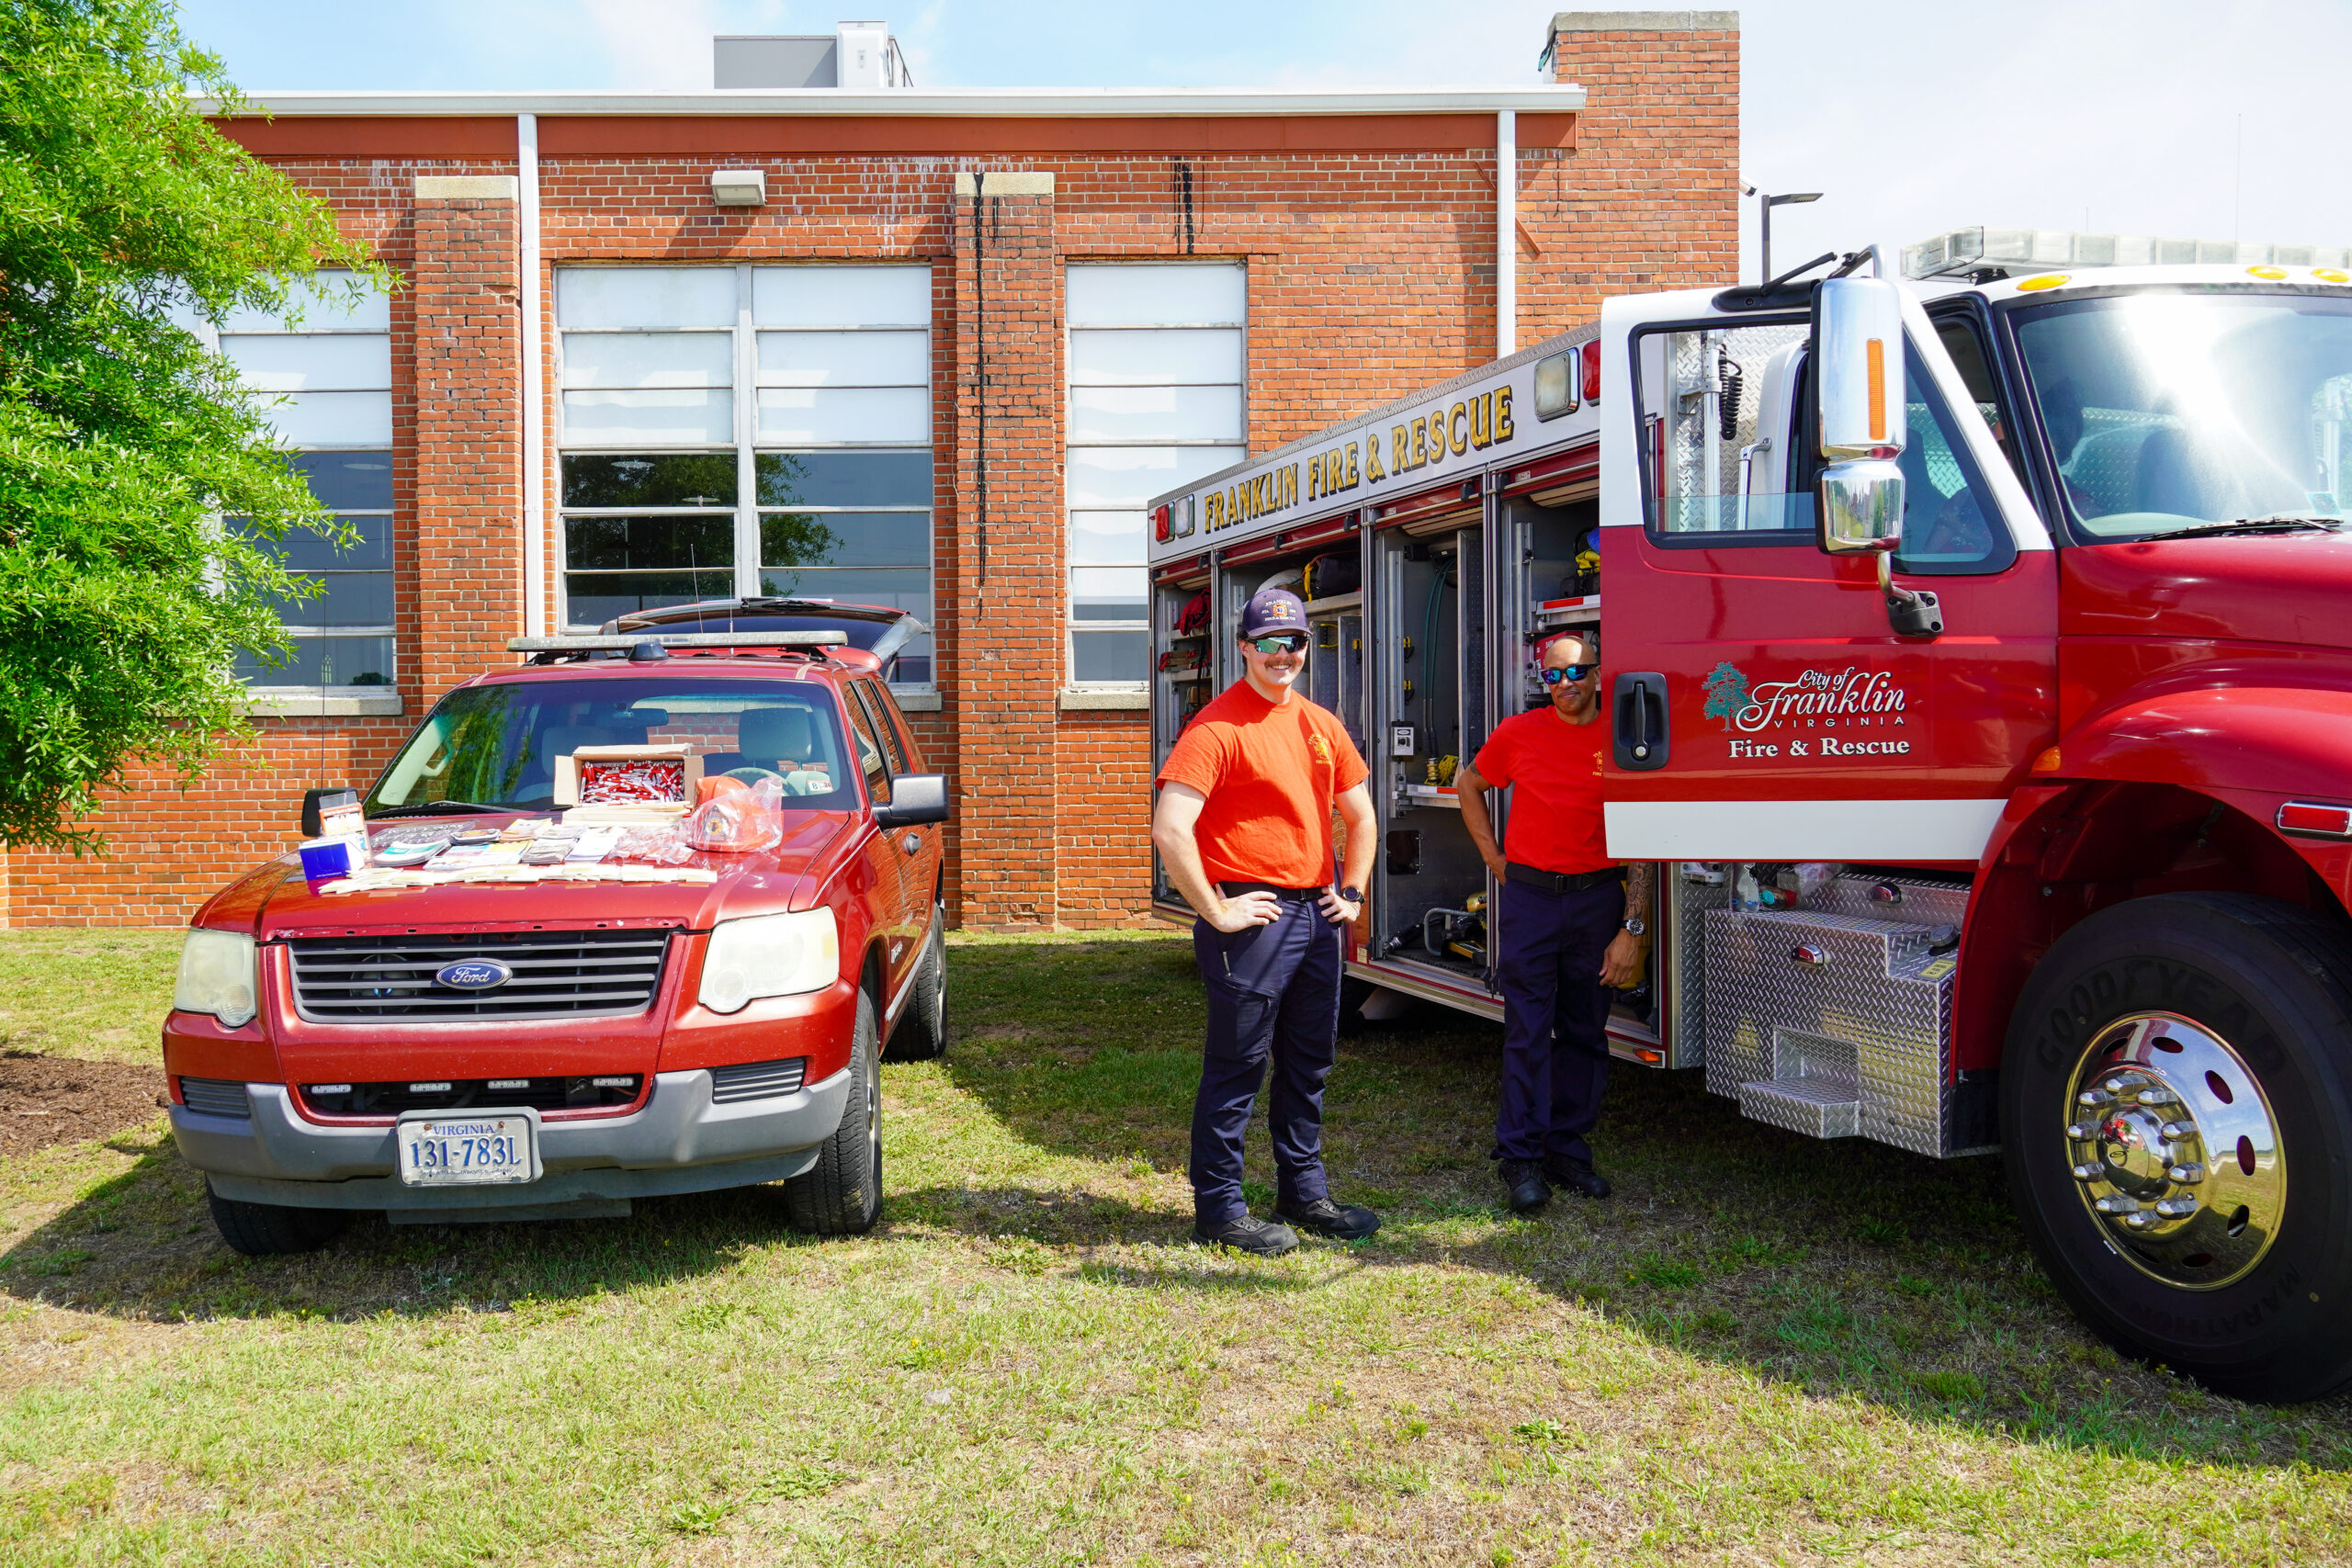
[{"x": 735, "y": 818}]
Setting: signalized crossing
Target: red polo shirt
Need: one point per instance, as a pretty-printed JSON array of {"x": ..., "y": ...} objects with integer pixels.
[
  {"x": 1555, "y": 816},
  {"x": 1271, "y": 773}
]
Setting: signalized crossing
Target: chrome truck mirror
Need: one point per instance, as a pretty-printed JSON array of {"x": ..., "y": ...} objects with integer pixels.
[{"x": 1858, "y": 411}]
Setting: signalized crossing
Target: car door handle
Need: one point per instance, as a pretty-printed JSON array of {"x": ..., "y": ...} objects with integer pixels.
[
  {"x": 912, "y": 843},
  {"x": 1638, "y": 705}
]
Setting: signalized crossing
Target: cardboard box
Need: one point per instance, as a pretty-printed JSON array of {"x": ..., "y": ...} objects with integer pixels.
[{"x": 656, "y": 777}]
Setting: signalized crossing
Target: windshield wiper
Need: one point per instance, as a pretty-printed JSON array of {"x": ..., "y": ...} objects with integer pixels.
[
  {"x": 432, "y": 808},
  {"x": 2277, "y": 523}
]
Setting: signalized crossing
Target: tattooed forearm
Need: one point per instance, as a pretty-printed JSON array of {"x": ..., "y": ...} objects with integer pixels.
[{"x": 1641, "y": 876}]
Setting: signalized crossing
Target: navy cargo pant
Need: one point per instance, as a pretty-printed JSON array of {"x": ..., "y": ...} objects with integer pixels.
[
  {"x": 1274, "y": 991},
  {"x": 1555, "y": 1016}
]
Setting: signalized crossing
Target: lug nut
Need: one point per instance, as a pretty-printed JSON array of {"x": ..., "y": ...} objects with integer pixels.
[
  {"x": 2094, "y": 1097},
  {"x": 2174, "y": 1208},
  {"x": 2186, "y": 1175},
  {"x": 2116, "y": 1204},
  {"x": 2139, "y": 1222},
  {"x": 2176, "y": 1130},
  {"x": 2090, "y": 1170},
  {"x": 2115, "y": 1086},
  {"x": 2080, "y": 1131},
  {"x": 2159, "y": 1095}
]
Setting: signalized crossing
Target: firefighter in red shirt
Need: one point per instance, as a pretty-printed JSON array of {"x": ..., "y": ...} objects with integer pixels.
[
  {"x": 1243, "y": 825},
  {"x": 1572, "y": 924}
]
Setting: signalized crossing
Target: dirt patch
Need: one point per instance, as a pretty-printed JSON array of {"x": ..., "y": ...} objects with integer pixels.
[{"x": 55, "y": 1099}]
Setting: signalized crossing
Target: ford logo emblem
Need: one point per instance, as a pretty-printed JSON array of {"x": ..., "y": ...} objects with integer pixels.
[{"x": 474, "y": 974}]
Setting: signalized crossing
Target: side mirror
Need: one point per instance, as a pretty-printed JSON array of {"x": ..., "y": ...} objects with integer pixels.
[
  {"x": 330, "y": 810},
  {"x": 1859, "y": 390},
  {"x": 915, "y": 799}
]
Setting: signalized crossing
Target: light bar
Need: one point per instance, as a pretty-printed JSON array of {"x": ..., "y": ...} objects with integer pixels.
[
  {"x": 623, "y": 642},
  {"x": 1965, "y": 250}
]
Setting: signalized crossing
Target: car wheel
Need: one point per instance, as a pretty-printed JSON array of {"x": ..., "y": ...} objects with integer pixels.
[
  {"x": 841, "y": 1194},
  {"x": 921, "y": 1034},
  {"x": 2176, "y": 1118},
  {"x": 271, "y": 1230}
]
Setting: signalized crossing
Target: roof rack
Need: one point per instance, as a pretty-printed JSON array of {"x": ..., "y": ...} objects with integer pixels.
[{"x": 649, "y": 645}]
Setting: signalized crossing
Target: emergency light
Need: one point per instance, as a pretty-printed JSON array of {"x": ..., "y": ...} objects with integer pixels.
[{"x": 1162, "y": 523}]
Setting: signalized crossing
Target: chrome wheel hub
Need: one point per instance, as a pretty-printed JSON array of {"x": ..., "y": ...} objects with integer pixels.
[{"x": 2176, "y": 1151}]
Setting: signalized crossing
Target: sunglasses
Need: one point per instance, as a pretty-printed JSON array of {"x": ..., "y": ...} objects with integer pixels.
[
  {"x": 1288, "y": 642},
  {"x": 1567, "y": 672}
]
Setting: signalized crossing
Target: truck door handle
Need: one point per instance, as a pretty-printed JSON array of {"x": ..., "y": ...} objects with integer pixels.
[
  {"x": 912, "y": 843},
  {"x": 1638, "y": 706}
]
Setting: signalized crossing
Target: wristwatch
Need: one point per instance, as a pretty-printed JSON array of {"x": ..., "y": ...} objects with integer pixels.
[
  {"x": 1352, "y": 895},
  {"x": 1638, "y": 927}
]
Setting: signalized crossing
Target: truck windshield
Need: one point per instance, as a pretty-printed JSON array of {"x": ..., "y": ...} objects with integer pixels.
[
  {"x": 2169, "y": 411},
  {"x": 497, "y": 745}
]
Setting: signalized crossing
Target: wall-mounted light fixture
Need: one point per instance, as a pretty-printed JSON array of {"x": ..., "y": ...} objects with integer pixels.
[{"x": 739, "y": 187}]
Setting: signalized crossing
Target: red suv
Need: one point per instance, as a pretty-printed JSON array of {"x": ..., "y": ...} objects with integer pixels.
[{"x": 482, "y": 1040}]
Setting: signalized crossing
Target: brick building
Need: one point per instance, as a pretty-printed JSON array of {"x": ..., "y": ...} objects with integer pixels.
[{"x": 889, "y": 344}]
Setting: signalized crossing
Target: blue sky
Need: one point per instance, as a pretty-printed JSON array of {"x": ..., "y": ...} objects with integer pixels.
[{"x": 2162, "y": 116}]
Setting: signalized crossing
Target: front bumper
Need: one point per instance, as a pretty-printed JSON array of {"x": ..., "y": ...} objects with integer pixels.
[{"x": 677, "y": 1142}]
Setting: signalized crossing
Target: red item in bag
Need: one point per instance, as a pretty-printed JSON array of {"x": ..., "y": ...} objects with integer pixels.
[{"x": 732, "y": 821}]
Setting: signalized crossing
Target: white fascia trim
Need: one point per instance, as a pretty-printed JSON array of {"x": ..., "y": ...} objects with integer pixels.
[
  {"x": 1124, "y": 102},
  {"x": 1801, "y": 829}
]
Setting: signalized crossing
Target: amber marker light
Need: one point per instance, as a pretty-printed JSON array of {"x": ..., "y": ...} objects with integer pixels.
[
  {"x": 2047, "y": 280},
  {"x": 1876, "y": 351},
  {"x": 2048, "y": 761},
  {"x": 2330, "y": 275},
  {"x": 2273, "y": 273}
]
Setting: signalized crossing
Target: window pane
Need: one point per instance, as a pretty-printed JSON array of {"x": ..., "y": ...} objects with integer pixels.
[
  {"x": 617, "y": 544},
  {"x": 673, "y": 478},
  {"x": 593, "y": 598},
  {"x": 845, "y": 538},
  {"x": 1107, "y": 656},
  {"x": 844, "y": 478},
  {"x": 298, "y": 362},
  {"x": 908, "y": 591},
  {"x": 646, "y": 296},
  {"x": 840, "y": 296},
  {"x": 683, "y": 415},
  {"x": 1106, "y": 539},
  {"x": 1107, "y": 593},
  {"x": 304, "y": 551},
  {"x": 1131, "y": 476},
  {"x": 1154, "y": 414},
  {"x": 348, "y": 481},
  {"x": 649, "y": 359},
  {"x": 845, "y": 359},
  {"x": 344, "y": 599},
  {"x": 844, "y": 414},
  {"x": 1128, "y": 295},
  {"x": 330, "y": 419},
  {"x": 1147, "y": 358},
  {"x": 325, "y": 661},
  {"x": 321, "y": 304}
]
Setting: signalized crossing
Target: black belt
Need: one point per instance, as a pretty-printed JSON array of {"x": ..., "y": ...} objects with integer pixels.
[
  {"x": 1560, "y": 881},
  {"x": 1287, "y": 895}
]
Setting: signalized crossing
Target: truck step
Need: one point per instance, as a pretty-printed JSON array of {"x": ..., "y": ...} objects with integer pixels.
[{"x": 1819, "y": 1108}]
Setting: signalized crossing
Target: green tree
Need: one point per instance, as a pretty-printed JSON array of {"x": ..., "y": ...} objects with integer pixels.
[{"x": 123, "y": 443}]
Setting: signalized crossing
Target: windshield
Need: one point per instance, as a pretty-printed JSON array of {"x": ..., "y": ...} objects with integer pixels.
[
  {"x": 2167, "y": 412},
  {"x": 497, "y": 745}
]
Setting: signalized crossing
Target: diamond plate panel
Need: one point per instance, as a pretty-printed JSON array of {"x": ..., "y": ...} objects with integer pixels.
[
  {"x": 1876, "y": 991},
  {"x": 1914, "y": 901},
  {"x": 1815, "y": 1110}
]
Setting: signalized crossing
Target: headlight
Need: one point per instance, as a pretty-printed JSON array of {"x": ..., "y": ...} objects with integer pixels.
[
  {"x": 769, "y": 955},
  {"x": 216, "y": 977}
]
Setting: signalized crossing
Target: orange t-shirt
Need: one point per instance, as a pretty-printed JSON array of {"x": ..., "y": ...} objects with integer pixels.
[
  {"x": 1555, "y": 816},
  {"x": 1271, "y": 775}
]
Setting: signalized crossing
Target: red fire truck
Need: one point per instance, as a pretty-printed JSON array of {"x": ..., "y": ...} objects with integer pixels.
[{"x": 1980, "y": 675}]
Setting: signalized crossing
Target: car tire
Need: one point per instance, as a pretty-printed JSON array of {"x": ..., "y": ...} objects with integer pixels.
[
  {"x": 842, "y": 1193},
  {"x": 2177, "y": 1122},
  {"x": 921, "y": 1034},
  {"x": 273, "y": 1230}
]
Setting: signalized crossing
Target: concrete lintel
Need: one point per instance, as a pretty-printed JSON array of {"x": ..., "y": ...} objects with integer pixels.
[
  {"x": 912, "y": 701},
  {"x": 1006, "y": 182},
  {"x": 312, "y": 702},
  {"x": 467, "y": 188},
  {"x": 1079, "y": 699},
  {"x": 1645, "y": 22}
]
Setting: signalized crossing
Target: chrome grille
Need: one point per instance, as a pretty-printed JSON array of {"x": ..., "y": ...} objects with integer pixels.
[
  {"x": 390, "y": 980},
  {"x": 757, "y": 1081},
  {"x": 215, "y": 1097}
]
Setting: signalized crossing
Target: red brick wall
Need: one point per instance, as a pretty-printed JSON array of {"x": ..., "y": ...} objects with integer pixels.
[{"x": 1370, "y": 272}]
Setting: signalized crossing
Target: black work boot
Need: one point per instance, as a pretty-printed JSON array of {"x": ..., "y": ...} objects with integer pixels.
[
  {"x": 1337, "y": 1222},
  {"x": 1247, "y": 1233},
  {"x": 1529, "y": 1190},
  {"x": 1576, "y": 1175}
]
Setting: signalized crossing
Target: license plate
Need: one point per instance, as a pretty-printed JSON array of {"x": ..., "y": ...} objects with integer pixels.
[{"x": 486, "y": 1150}]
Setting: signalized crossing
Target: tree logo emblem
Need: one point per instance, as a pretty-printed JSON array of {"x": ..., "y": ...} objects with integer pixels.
[{"x": 1726, "y": 691}]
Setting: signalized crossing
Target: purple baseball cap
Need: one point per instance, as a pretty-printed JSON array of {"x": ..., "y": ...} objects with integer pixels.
[{"x": 1272, "y": 610}]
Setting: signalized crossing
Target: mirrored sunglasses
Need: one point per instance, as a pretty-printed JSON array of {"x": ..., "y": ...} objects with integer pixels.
[
  {"x": 1287, "y": 642},
  {"x": 1567, "y": 672}
]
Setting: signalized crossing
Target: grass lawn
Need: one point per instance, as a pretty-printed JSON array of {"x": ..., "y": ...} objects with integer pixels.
[{"x": 1762, "y": 1350}]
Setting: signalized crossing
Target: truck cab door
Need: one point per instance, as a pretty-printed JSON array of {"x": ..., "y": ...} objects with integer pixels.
[
  {"x": 888, "y": 893},
  {"x": 1766, "y": 708}
]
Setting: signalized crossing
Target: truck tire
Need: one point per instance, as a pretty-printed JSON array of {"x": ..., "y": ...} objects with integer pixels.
[
  {"x": 273, "y": 1230},
  {"x": 2177, "y": 1120},
  {"x": 921, "y": 1034},
  {"x": 841, "y": 1194}
]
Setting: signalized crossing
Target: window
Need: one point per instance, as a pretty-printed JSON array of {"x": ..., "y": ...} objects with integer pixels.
[
  {"x": 742, "y": 431},
  {"x": 329, "y": 364},
  {"x": 1154, "y": 371},
  {"x": 869, "y": 750}
]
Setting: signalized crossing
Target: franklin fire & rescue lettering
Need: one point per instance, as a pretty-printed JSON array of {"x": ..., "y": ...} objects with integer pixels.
[{"x": 1815, "y": 694}]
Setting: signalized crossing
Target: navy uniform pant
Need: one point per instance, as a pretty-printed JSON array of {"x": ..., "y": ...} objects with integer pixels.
[
  {"x": 1273, "y": 994},
  {"x": 1555, "y": 1016}
]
